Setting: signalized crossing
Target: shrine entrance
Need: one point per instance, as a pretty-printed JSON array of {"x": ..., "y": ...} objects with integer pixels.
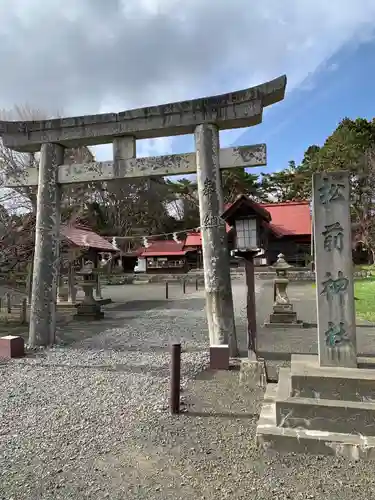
[{"x": 201, "y": 117}]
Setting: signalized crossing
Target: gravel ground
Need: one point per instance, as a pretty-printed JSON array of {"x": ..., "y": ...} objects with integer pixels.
[{"x": 89, "y": 419}]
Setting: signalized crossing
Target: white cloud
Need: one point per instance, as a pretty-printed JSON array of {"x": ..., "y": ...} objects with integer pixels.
[{"x": 88, "y": 56}]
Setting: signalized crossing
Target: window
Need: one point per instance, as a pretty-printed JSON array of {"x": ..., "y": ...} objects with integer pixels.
[
  {"x": 161, "y": 263},
  {"x": 246, "y": 230}
]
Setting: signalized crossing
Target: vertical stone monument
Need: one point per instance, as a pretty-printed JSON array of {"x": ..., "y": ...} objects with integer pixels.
[
  {"x": 325, "y": 404},
  {"x": 334, "y": 270}
]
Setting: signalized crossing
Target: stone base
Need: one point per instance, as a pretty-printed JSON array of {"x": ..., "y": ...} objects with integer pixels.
[
  {"x": 283, "y": 317},
  {"x": 67, "y": 305},
  {"x": 320, "y": 410},
  {"x": 298, "y": 324},
  {"x": 88, "y": 311},
  {"x": 219, "y": 357},
  {"x": 253, "y": 373},
  {"x": 12, "y": 347}
]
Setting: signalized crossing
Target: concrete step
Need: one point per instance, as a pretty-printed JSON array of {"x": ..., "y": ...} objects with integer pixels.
[
  {"x": 309, "y": 380},
  {"x": 273, "y": 437},
  {"x": 286, "y": 440},
  {"x": 270, "y": 393},
  {"x": 330, "y": 415},
  {"x": 326, "y": 415}
]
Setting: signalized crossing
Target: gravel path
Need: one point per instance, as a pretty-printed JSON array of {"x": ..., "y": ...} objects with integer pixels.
[
  {"x": 66, "y": 411},
  {"x": 89, "y": 420}
]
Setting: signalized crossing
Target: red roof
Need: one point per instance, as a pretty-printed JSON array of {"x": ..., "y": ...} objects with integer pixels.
[
  {"x": 164, "y": 248},
  {"x": 81, "y": 236},
  {"x": 194, "y": 239},
  {"x": 163, "y": 254},
  {"x": 290, "y": 218}
]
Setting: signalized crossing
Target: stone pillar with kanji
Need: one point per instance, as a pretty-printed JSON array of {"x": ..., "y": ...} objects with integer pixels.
[{"x": 334, "y": 270}]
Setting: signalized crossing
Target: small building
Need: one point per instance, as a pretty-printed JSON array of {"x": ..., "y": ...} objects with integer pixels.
[
  {"x": 168, "y": 256},
  {"x": 288, "y": 231}
]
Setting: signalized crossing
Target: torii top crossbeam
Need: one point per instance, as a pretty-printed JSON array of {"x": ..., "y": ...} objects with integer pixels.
[{"x": 238, "y": 109}]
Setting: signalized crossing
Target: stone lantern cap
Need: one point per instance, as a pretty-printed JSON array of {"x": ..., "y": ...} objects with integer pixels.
[{"x": 281, "y": 264}]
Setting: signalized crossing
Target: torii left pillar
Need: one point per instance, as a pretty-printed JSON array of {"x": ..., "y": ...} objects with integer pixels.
[
  {"x": 218, "y": 288},
  {"x": 42, "y": 326}
]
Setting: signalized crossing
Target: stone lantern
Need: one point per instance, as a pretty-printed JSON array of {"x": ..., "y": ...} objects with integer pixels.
[
  {"x": 283, "y": 313},
  {"x": 89, "y": 307}
]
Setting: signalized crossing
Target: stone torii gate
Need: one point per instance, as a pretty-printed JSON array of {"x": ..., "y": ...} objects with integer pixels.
[{"x": 202, "y": 117}]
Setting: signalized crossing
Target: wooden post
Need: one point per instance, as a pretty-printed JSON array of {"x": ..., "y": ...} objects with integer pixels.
[
  {"x": 334, "y": 270},
  {"x": 251, "y": 307},
  {"x": 23, "y": 317},
  {"x": 174, "y": 399},
  {"x": 29, "y": 282},
  {"x": 71, "y": 283},
  {"x": 219, "y": 301},
  {"x": 46, "y": 256},
  {"x": 60, "y": 286},
  {"x": 8, "y": 303}
]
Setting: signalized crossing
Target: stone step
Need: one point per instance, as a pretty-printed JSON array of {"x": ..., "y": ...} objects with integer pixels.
[
  {"x": 326, "y": 415},
  {"x": 272, "y": 437},
  {"x": 309, "y": 380},
  {"x": 284, "y": 385},
  {"x": 270, "y": 393}
]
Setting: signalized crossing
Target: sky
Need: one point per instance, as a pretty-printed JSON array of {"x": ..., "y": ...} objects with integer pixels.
[{"x": 90, "y": 56}]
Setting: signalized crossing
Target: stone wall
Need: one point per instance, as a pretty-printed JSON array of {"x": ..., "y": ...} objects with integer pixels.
[
  {"x": 304, "y": 275},
  {"x": 128, "y": 279}
]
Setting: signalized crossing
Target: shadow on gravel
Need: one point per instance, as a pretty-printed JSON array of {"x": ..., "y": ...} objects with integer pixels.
[
  {"x": 211, "y": 414},
  {"x": 139, "y": 305},
  {"x": 208, "y": 374},
  {"x": 146, "y": 305},
  {"x": 76, "y": 331},
  {"x": 161, "y": 371}
]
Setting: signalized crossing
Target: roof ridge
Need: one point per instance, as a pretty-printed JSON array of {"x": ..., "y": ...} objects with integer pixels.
[{"x": 283, "y": 203}]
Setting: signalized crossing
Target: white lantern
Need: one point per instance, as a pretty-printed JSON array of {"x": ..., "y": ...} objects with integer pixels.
[{"x": 246, "y": 232}]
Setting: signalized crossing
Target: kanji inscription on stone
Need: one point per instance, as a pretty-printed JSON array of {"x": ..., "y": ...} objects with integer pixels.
[
  {"x": 330, "y": 191},
  {"x": 336, "y": 334},
  {"x": 334, "y": 287},
  {"x": 208, "y": 187},
  {"x": 333, "y": 237},
  {"x": 211, "y": 220}
]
